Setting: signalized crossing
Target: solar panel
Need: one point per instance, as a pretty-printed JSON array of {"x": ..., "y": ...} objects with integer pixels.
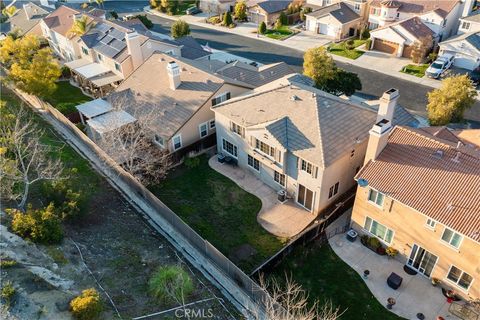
[
  {"x": 102, "y": 27},
  {"x": 119, "y": 45},
  {"x": 117, "y": 34}
]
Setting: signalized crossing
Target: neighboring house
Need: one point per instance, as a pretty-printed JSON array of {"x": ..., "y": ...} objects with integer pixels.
[
  {"x": 191, "y": 49},
  {"x": 441, "y": 16},
  {"x": 212, "y": 7},
  {"x": 111, "y": 50},
  {"x": 399, "y": 38},
  {"x": 174, "y": 95},
  {"x": 466, "y": 49},
  {"x": 470, "y": 23},
  {"x": 26, "y": 20},
  {"x": 297, "y": 138},
  {"x": 359, "y": 6},
  {"x": 338, "y": 21},
  {"x": 419, "y": 193},
  {"x": 267, "y": 11}
]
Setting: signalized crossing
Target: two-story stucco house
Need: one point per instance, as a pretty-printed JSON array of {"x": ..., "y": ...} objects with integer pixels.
[
  {"x": 470, "y": 23},
  {"x": 297, "y": 138},
  {"x": 419, "y": 192},
  {"x": 386, "y": 17},
  {"x": 360, "y": 7}
]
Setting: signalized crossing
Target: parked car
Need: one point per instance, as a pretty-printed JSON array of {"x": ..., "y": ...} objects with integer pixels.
[
  {"x": 192, "y": 11},
  {"x": 439, "y": 66}
]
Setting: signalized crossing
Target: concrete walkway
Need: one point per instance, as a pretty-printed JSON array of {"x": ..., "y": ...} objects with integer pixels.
[
  {"x": 416, "y": 293},
  {"x": 281, "y": 219}
]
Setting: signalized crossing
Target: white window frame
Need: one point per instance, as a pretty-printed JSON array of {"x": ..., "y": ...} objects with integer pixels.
[
  {"x": 200, "y": 129},
  {"x": 235, "y": 128},
  {"x": 376, "y": 198},
  {"x": 333, "y": 190},
  {"x": 221, "y": 98},
  {"x": 448, "y": 243},
  {"x": 85, "y": 51},
  {"x": 211, "y": 124},
  {"x": 234, "y": 148},
  {"x": 156, "y": 140},
  {"x": 258, "y": 146},
  {"x": 456, "y": 283},
  {"x": 99, "y": 57},
  {"x": 430, "y": 223},
  {"x": 279, "y": 180},
  {"x": 119, "y": 69},
  {"x": 253, "y": 163},
  {"x": 179, "y": 136},
  {"x": 465, "y": 25},
  {"x": 386, "y": 231}
]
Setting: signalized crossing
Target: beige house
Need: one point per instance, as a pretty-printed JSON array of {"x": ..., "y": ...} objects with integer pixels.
[
  {"x": 297, "y": 138},
  {"x": 359, "y": 6},
  {"x": 174, "y": 96},
  {"x": 26, "y": 20},
  {"x": 267, "y": 11},
  {"x": 337, "y": 21},
  {"x": 217, "y": 7},
  {"x": 419, "y": 192}
]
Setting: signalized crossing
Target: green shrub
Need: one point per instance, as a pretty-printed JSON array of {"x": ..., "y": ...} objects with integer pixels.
[
  {"x": 8, "y": 291},
  {"x": 227, "y": 19},
  {"x": 70, "y": 204},
  {"x": 368, "y": 44},
  {"x": 65, "y": 72},
  {"x": 350, "y": 44},
  {"x": 365, "y": 34},
  {"x": 38, "y": 225},
  {"x": 7, "y": 263},
  {"x": 180, "y": 29},
  {"x": 283, "y": 18},
  {"x": 86, "y": 306},
  {"x": 262, "y": 28},
  {"x": 146, "y": 22},
  {"x": 114, "y": 14},
  {"x": 374, "y": 243},
  {"x": 192, "y": 162},
  {"x": 432, "y": 56},
  {"x": 171, "y": 284},
  {"x": 278, "y": 24},
  {"x": 214, "y": 20}
]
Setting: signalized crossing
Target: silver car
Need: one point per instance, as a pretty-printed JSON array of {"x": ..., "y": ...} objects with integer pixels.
[{"x": 439, "y": 66}]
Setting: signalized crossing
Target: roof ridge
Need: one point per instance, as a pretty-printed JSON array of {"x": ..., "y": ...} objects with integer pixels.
[{"x": 251, "y": 95}]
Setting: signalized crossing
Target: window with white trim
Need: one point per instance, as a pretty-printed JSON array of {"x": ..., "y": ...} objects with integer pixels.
[
  {"x": 229, "y": 148},
  {"x": 203, "y": 129},
  {"x": 279, "y": 178},
  {"x": 452, "y": 238},
  {"x": 212, "y": 124},
  {"x": 459, "y": 277},
  {"x": 221, "y": 98},
  {"x": 378, "y": 230},
  {"x": 159, "y": 140},
  {"x": 118, "y": 67},
  {"x": 238, "y": 129},
  {"x": 177, "y": 142},
  {"x": 465, "y": 25},
  {"x": 308, "y": 168},
  {"x": 333, "y": 190},
  {"x": 254, "y": 163},
  {"x": 376, "y": 197},
  {"x": 100, "y": 57},
  {"x": 431, "y": 223},
  {"x": 85, "y": 51},
  {"x": 264, "y": 148}
]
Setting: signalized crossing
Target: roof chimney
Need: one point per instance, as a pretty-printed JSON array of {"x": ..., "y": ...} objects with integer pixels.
[
  {"x": 134, "y": 50},
  {"x": 379, "y": 133},
  {"x": 388, "y": 101},
  {"x": 173, "y": 75}
]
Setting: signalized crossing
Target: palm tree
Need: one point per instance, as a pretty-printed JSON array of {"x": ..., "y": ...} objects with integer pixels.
[{"x": 80, "y": 26}]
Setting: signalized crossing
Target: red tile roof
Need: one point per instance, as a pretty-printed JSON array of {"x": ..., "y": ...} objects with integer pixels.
[{"x": 430, "y": 175}]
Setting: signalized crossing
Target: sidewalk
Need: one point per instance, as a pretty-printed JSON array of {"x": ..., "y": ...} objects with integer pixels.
[{"x": 376, "y": 61}]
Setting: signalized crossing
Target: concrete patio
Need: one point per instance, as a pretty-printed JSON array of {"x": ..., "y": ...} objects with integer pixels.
[
  {"x": 416, "y": 293},
  {"x": 281, "y": 219}
]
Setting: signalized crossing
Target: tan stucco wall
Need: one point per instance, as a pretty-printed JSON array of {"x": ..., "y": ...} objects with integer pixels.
[
  {"x": 190, "y": 130},
  {"x": 409, "y": 228}
]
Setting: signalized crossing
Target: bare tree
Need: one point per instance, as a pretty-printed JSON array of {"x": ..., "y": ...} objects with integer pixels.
[
  {"x": 132, "y": 146},
  {"x": 421, "y": 48},
  {"x": 290, "y": 302},
  {"x": 24, "y": 159}
]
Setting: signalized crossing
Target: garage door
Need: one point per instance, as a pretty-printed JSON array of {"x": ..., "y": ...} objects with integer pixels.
[
  {"x": 407, "y": 52},
  {"x": 385, "y": 46},
  {"x": 322, "y": 28},
  {"x": 465, "y": 62}
]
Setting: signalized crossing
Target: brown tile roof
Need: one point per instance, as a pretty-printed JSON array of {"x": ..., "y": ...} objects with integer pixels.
[
  {"x": 442, "y": 133},
  {"x": 441, "y": 7},
  {"x": 416, "y": 27},
  {"x": 471, "y": 137},
  {"x": 61, "y": 20},
  {"x": 430, "y": 175}
]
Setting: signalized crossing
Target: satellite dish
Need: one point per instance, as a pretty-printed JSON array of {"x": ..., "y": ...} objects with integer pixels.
[{"x": 362, "y": 182}]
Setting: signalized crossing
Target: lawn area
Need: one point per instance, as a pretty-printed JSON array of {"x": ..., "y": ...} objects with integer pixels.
[
  {"x": 340, "y": 49},
  {"x": 184, "y": 5},
  {"x": 417, "y": 70},
  {"x": 326, "y": 277},
  {"x": 66, "y": 97},
  {"x": 219, "y": 211},
  {"x": 279, "y": 34}
]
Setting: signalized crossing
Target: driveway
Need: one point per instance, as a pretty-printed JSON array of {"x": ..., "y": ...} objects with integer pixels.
[
  {"x": 280, "y": 219},
  {"x": 306, "y": 40},
  {"x": 416, "y": 293}
]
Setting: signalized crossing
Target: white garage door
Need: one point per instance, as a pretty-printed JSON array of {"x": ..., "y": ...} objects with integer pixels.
[
  {"x": 465, "y": 62},
  {"x": 322, "y": 28}
]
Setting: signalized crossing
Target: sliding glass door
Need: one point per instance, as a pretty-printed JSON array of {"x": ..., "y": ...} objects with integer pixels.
[{"x": 422, "y": 260}]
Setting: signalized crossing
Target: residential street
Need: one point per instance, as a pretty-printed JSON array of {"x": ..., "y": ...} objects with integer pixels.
[{"x": 412, "y": 95}]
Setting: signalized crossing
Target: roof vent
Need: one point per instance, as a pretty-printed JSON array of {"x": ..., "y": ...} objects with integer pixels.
[
  {"x": 314, "y": 94},
  {"x": 450, "y": 206},
  {"x": 457, "y": 157},
  {"x": 438, "y": 154},
  {"x": 294, "y": 98},
  {"x": 459, "y": 144}
]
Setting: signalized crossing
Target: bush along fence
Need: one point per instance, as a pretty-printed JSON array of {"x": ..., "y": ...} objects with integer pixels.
[
  {"x": 316, "y": 231},
  {"x": 241, "y": 290}
]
